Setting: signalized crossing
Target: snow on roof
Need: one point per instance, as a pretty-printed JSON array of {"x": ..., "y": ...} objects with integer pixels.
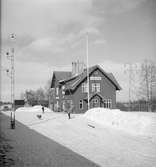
[{"x": 73, "y": 82}]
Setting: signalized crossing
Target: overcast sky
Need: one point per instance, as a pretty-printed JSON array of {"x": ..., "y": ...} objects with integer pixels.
[{"x": 50, "y": 34}]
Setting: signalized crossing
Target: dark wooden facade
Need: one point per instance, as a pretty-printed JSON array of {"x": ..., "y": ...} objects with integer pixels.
[{"x": 73, "y": 90}]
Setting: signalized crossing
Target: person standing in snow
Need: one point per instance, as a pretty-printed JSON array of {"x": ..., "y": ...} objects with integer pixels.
[
  {"x": 43, "y": 109},
  {"x": 70, "y": 110}
]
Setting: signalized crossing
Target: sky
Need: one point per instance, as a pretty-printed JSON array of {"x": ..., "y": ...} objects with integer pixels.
[{"x": 50, "y": 34}]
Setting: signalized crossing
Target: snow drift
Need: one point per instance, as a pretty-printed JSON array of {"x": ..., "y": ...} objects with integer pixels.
[
  {"x": 37, "y": 108},
  {"x": 131, "y": 122}
]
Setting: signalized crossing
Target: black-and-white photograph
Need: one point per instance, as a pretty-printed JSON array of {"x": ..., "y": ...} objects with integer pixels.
[{"x": 77, "y": 83}]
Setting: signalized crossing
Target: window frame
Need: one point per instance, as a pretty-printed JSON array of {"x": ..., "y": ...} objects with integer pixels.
[
  {"x": 57, "y": 91},
  {"x": 96, "y": 87},
  {"x": 107, "y": 103},
  {"x": 84, "y": 87}
]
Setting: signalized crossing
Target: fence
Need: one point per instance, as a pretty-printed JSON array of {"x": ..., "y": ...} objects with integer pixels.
[{"x": 137, "y": 106}]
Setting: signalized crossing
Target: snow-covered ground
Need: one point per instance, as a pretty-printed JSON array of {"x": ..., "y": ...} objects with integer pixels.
[
  {"x": 136, "y": 123},
  {"x": 37, "y": 108},
  {"x": 107, "y": 137}
]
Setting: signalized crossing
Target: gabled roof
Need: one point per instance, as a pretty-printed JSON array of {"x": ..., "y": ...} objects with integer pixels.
[
  {"x": 73, "y": 83},
  {"x": 60, "y": 75},
  {"x": 92, "y": 96}
]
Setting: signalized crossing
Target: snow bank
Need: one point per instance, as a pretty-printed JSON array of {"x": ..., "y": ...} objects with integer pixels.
[
  {"x": 130, "y": 122},
  {"x": 37, "y": 108}
]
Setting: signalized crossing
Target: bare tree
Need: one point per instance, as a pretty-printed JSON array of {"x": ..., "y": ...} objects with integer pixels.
[
  {"x": 40, "y": 95},
  {"x": 148, "y": 78}
]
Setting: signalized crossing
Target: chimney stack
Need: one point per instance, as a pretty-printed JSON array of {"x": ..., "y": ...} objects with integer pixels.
[{"x": 77, "y": 67}]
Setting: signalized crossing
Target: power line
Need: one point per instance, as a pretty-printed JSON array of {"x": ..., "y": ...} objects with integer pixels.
[{"x": 131, "y": 70}]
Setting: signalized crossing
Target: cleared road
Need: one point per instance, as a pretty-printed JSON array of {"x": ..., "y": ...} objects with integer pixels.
[{"x": 29, "y": 148}]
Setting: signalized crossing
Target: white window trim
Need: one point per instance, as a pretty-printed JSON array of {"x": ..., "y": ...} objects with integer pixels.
[
  {"x": 84, "y": 87},
  {"x": 96, "y": 87},
  {"x": 108, "y": 103},
  {"x": 57, "y": 91}
]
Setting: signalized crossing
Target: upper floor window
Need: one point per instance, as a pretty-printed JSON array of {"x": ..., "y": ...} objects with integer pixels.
[
  {"x": 84, "y": 87},
  {"x": 63, "y": 90},
  {"x": 95, "y": 87}
]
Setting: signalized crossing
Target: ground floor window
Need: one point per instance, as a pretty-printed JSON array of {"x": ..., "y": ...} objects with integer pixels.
[
  {"x": 57, "y": 104},
  {"x": 63, "y": 105},
  {"x": 81, "y": 104},
  {"x": 107, "y": 103}
]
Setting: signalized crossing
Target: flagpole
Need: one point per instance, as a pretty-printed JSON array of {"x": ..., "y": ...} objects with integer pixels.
[{"x": 87, "y": 70}]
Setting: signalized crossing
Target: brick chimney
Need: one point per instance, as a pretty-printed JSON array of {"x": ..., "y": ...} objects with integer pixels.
[{"x": 77, "y": 68}]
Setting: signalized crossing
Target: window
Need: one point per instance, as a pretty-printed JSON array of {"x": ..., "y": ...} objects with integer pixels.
[
  {"x": 57, "y": 104},
  {"x": 57, "y": 91},
  {"x": 63, "y": 105},
  {"x": 107, "y": 103},
  {"x": 84, "y": 87},
  {"x": 95, "y": 87},
  {"x": 81, "y": 104}
]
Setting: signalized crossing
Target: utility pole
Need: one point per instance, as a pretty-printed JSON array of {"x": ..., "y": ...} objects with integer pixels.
[
  {"x": 0, "y": 54},
  {"x": 129, "y": 68},
  {"x": 12, "y": 76},
  {"x": 87, "y": 70}
]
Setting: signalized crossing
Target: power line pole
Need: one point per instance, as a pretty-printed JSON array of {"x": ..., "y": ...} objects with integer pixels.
[
  {"x": 12, "y": 76},
  {"x": 87, "y": 70},
  {"x": 130, "y": 69},
  {"x": 0, "y": 52}
]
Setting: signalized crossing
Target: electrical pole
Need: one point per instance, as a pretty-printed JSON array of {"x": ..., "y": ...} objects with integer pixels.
[
  {"x": 87, "y": 70},
  {"x": 12, "y": 76},
  {"x": 129, "y": 68},
  {"x": 0, "y": 54}
]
